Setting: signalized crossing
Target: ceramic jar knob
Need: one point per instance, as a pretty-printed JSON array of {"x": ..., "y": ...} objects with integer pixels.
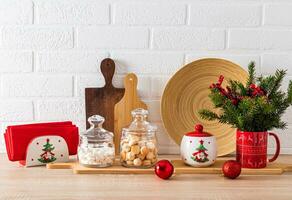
[{"x": 198, "y": 148}]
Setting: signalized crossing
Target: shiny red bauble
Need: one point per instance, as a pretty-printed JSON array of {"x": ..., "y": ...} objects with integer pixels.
[
  {"x": 164, "y": 169},
  {"x": 231, "y": 169}
]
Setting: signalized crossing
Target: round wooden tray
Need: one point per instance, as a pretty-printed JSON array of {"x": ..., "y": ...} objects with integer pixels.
[{"x": 187, "y": 92}]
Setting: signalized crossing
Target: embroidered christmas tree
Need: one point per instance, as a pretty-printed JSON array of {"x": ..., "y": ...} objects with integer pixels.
[
  {"x": 48, "y": 156},
  {"x": 201, "y": 154}
]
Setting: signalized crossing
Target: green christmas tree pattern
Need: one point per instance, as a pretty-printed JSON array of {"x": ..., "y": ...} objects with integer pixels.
[
  {"x": 201, "y": 154},
  {"x": 48, "y": 156}
]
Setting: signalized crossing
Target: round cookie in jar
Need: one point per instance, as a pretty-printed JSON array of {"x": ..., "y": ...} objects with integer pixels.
[
  {"x": 138, "y": 147},
  {"x": 96, "y": 147}
]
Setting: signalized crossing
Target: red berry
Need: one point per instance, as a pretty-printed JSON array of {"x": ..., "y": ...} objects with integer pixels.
[
  {"x": 234, "y": 102},
  {"x": 231, "y": 169},
  {"x": 252, "y": 86},
  {"x": 221, "y": 78},
  {"x": 164, "y": 169}
]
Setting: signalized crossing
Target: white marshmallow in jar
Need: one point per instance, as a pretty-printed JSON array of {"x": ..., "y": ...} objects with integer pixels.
[
  {"x": 138, "y": 147},
  {"x": 96, "y": 146}
]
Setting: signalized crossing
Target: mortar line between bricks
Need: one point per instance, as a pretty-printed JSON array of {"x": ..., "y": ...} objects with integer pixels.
[
  {"x": 111, "y": 13},
  {"x": 227, "y": 37},
  {"x": 73, "y": 37},
  {"x": 74, "y": 86},
  {"x": 44, "y": 98},
  {"x": 189, "y": 51},
  {"x": 263, "y": 15},
  {"x": 185, "y": 58},
  {"x": 51, "y": 74},
  {"x": 178, "y": 26},
  {"x": 33, "y": 110},
  {"x": 34, "y": 57},
  {"x": 260, "y": 63},
  {"x": 150, "y": 38},
  {"x": 33, "y": 12},
  {"x": 188, "y": 14}
]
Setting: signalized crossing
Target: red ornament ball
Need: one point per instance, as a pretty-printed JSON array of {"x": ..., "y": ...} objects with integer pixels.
[
  {"x": 164, "y": 169},
  {"x": 231, "y": 169}
]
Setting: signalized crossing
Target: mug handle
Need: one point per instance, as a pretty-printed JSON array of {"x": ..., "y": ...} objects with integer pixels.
[{"x": 277, "y": 147}]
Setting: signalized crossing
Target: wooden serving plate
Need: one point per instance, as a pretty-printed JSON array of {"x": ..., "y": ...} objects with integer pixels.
[
  {"x": 179, "y": 166},
  {"x": 187, "y": 92}
]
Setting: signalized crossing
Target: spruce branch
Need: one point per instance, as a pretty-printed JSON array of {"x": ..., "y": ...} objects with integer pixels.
[
  {"x": 278, "y": 78},
  {"x": 258, "y": 106},
  {"x": 289, "y": 92},
  {"x": 208, "y": 115},
  {"x": 251, "y": 74}
]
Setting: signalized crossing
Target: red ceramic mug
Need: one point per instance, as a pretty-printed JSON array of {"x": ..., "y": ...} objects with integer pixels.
[{"x": 251, "y": 148}]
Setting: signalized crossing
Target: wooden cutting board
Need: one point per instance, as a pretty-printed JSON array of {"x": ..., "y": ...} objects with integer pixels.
[
  {"x": 179, "y": 166},
  {"x": 101, "y": 101},
  {"x": 123, "y": 108}
]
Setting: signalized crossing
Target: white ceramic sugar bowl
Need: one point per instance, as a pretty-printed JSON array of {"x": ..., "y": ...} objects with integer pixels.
[{"x": 198, "y": 148}]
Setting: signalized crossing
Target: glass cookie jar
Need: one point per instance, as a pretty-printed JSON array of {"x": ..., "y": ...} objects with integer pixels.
[
  {"x": 96, "y": 146},
  {"x": 138, "y": 142}
]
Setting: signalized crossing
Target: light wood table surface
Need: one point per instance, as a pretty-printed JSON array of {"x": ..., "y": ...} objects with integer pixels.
[{"x": 39, "y": 183}]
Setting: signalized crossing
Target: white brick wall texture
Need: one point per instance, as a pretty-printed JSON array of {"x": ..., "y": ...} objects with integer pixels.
[{"x": 50, "y": 50}]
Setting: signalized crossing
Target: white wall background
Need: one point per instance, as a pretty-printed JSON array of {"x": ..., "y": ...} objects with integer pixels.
[{"x": 50, "y": 50}]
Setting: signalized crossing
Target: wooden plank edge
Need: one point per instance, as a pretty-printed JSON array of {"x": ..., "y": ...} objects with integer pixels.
[
  {"x": 262, "y": 171},
  {"x": 265, "y": 171},
  {"x": 69, "y": 165},
  {"x": 138, "y": 172}
]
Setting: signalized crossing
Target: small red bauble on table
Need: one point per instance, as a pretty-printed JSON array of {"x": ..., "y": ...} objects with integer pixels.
[
  {"x": 164, "y": 169},
  {"x": 231, "y": 169}
]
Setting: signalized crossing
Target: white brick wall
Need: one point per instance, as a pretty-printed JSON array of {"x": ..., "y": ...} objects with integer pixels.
[
  {"x": 50, "y": 50},
  {"x": 222, "y": 15},
  {"x": 101, "y": 37},
  {"x": 149, "y": 13},
  {"x": 188, "y": 38},
  {"x": 35, "y": 85},
  {"x": 16, "y": 12},
  {"x": 69, "y": 61},
  {"x": 71, "y": 12},
  {"x": 260, "y": 39},
  {"x": 16, "y": 61}
]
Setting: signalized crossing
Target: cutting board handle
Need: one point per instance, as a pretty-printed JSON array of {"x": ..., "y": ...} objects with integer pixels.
[
  {"x": 130, "y": 83},
  {"x": 107, "y": 68}
]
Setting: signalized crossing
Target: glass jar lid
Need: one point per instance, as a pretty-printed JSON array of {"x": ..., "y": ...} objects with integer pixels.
[
  {"x": 96, "y": 133},
  {"x": 140, "y": 123}
]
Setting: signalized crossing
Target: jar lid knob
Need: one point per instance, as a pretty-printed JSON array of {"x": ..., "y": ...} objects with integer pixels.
[
  {"x": 199, "y": 128},
  {"x": 96, "y": 119},
  {"x": 139, "y": 111}
]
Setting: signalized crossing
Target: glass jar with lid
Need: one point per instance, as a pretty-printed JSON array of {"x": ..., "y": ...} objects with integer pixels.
[
  {"x": 138, "y": 146},
  {"x": 96, "y": 146}
]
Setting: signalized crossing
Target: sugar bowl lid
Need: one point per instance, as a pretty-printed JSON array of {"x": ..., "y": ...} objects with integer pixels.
[{"x": 199, "y": 132}]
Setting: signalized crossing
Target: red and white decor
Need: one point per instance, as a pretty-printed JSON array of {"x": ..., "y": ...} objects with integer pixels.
[{"x": 198, "y": 148}]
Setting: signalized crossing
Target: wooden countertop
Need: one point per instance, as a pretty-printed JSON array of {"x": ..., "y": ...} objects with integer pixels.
[{"x": 40, "y": 183}]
